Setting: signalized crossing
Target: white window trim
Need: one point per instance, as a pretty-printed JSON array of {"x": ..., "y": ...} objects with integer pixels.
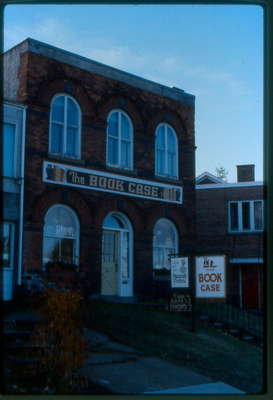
[
  {"x": 76, "y": 257},
  {"x": 166, "y": 152},
  {"x": 63, "y": 153},
  {"x": 240, "y": 216},
  {"x": 162, "y": 246},
  {"x": 131, "y": 140}
]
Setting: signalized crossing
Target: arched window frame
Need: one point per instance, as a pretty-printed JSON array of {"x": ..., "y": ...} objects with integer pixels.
[
  {"x": 77, "y": 154},
  {"x": 165, "y": 248},
  {"x": 59, "y": 236},
  {"x": 166, "y": 150},
  {"x": 131, "y": 141}
]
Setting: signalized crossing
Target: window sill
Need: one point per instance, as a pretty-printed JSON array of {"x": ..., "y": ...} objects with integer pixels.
[
  {"x": 168, "y": 179},
  {"x": 121, "y": 170},
  {"x": 71, "y": 160}
]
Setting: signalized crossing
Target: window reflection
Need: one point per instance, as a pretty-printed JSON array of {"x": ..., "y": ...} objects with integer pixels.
[{"x": 61, "y": 235}]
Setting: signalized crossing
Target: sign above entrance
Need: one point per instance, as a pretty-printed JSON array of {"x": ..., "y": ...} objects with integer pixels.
[{"x": 67, "y": 175}]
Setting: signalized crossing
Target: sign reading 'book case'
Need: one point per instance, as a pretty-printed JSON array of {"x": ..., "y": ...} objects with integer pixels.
[{"x": 67, "y": 175}]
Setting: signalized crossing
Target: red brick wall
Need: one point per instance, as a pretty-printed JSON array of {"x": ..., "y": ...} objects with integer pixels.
[
  {"x": 213, "y": 236},
  {"x": 41, "y": 79},
  {"x": 212, "y": 222}
]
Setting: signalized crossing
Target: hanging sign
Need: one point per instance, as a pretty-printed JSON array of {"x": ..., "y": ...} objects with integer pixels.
[
  {"x": 211, "y": 277},
  {"x": 179, "y": 272},
  {"x": 68, "y": 175}
]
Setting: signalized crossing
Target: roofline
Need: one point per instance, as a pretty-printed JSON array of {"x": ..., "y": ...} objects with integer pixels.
[
  {"x": 229, "y": 185},
  {"x": 99, "y": 68},
  {"x": 213, "y": 177}
]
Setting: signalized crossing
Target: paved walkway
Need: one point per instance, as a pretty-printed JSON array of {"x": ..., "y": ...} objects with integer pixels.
[
  {"x": 120, "y": 369},
  {"x": 123, "y": 370}
]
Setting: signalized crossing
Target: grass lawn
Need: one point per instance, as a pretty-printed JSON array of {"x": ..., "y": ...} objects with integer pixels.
[{"x": 167, "y": 336}]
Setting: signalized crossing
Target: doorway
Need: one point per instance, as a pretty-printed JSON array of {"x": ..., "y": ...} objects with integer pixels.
[
  {"x": 250, "y": 287},
  {"x": 117, "y": 268}
]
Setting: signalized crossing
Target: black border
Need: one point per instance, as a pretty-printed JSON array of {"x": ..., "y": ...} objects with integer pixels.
[{"x": 267, "y": 6}]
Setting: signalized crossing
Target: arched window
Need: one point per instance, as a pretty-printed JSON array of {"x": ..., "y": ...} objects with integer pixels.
[
  {"x": 61, "y": 235},
  {"x": 119, "y": 140},
  {"x": 164, "y": 243},
  {"x": 166, "y": 158},
  {"x": 65, "y": 121}
]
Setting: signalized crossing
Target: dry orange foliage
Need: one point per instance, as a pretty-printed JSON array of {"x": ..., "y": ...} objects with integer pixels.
[{"x": 63, "y": 348}]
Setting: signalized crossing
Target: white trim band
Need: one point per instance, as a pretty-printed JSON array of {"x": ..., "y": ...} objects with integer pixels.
[
  {"x": 228, "y": 185},
  {"x": 246, "y": 260}
]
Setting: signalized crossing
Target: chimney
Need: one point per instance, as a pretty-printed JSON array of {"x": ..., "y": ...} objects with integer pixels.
[{"x": 245, "y": 173}]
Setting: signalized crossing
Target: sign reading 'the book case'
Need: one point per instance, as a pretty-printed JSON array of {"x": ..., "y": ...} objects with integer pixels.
[{"x": 68, "y": 175}]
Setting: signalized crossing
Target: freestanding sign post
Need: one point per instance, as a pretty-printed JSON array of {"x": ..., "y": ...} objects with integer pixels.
[
  {"x": 210, "y": 277},
  {"x": 182, "y": 285}
]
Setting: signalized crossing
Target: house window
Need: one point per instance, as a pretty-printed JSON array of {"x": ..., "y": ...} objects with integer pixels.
[
  {"x": 61, "y": 235},
  {"x": 166, "y": 161},
  {"x": 9, "y": 148},
  {"x": 65, "y": 120},
  {"x": 164, "y": 244},
  {"x": 119, "y": 140},
  {"x": 246, "y": 216},
  {"x": 7, "y": 244}
]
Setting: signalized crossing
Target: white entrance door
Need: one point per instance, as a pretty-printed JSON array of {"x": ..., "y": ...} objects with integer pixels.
[{"x": 117, "y": 270}]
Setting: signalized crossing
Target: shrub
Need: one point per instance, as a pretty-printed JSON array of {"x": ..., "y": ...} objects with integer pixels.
[{"x": 62, "y": 348}]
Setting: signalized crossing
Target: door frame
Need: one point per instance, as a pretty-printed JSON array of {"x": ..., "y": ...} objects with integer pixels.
[{"x": 121, "y": 290}]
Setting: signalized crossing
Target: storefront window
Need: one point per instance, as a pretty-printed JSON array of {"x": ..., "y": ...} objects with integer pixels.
[
  {"x": 61, "y": 235},
  {"x": 164, "y": 244},
  {"x": 7, "y": 244}
]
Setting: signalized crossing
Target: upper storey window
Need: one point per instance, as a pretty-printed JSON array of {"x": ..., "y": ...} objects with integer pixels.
[
  {"x": 119, "y": 140},
  {"x": 166, "y": 161},
  {"x": 245, "y": 216},
  {"x": 65, "y": 121}
]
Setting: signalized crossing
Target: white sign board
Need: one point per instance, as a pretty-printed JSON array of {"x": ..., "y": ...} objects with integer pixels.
[
  {"x": 210, "y": 277},
  {"x": 180, "y": 272}
]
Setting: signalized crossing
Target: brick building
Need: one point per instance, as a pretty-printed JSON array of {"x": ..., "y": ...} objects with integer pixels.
[
  {"x": 12, "y": 188},
  {"x": 109, "y": 169},
  {"x": 229, "y": 217}
]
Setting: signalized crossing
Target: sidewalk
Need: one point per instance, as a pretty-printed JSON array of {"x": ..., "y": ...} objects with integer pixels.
[
  {"x": 120, "y": 369},
  {"x": 123, "y": 370}
]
